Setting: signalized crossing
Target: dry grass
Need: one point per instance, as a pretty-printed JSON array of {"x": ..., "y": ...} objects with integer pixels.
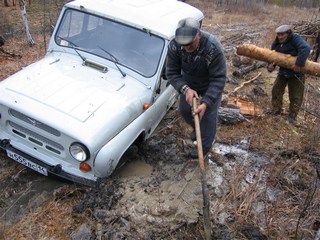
[
  {"x": 52, "y": 220},
  {"x": 291, "y": 182}
]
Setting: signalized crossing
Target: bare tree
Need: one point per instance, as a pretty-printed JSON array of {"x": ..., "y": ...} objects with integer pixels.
[
  {"x": 25, "y": 22},
  {"x": 6, "y": 3}
]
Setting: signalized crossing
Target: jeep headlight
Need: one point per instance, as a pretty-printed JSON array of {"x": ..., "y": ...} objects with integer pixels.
[{"x": 79, "y": 152}]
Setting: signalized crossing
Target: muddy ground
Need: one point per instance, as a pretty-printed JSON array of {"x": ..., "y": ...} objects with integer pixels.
[{"x": 261, "y": 175}]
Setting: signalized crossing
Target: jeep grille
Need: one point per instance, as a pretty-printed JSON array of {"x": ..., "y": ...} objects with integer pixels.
[
  {"x": 34, "y": 122},
  {"x": 31, "y": 132}
]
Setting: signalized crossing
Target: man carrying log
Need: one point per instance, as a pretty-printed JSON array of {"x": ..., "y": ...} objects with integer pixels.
[{"x": 289, "y": 43}]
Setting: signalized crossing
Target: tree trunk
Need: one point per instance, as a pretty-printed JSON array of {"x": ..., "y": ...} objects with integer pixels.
[
  {"x": 25, "y": 22},
  {"x": 239, "y": 73},
  {"x": 282, "y": 60},
  {"x": 230, "y": 115}
]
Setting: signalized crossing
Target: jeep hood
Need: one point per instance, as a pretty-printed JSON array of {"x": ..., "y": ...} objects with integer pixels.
[{"x": 75, "y": 94}]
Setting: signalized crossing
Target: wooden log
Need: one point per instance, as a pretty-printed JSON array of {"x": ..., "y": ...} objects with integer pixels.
[
  {"x": 245, "y": 107},
  {"x": 239, "y": 73},
  {"x": 282, "y": 60},
  {"x": 230, "y": 115}
]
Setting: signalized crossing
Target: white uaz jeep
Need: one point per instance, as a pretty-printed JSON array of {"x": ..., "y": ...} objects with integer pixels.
[{"x": 99, "y": 89}]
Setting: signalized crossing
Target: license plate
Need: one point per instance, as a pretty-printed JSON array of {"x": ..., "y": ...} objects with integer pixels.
[{"x": 27, "y": 163}]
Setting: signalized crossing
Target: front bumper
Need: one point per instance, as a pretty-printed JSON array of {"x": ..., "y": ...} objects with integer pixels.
[{"x": 56, "y": 170}]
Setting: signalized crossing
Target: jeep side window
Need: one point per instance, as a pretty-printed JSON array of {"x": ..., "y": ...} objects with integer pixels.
[{"x": 162, "y": 82}]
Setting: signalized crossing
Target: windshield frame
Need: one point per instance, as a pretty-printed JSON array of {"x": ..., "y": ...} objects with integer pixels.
[{"x": 131, "y": 47}]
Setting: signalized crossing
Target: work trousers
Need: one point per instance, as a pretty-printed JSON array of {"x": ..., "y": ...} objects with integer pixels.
[
  {"x": 295, "y": 90},
  {"x": 208, "y": 123}
]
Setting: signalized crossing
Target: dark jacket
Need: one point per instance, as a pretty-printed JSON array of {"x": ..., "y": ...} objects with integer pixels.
[
  {"x": 203, "y": 70},
  {"x": 295, "y": 46}
]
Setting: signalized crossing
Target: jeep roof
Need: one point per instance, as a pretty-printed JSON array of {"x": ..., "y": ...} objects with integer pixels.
[{"x": 157, "y": 16}]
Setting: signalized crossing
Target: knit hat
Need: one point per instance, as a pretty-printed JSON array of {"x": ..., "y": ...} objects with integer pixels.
[{"x": 187, "y": 31}]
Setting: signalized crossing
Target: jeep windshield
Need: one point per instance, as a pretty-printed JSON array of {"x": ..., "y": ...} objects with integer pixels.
[{"x": 129, "y": 46}]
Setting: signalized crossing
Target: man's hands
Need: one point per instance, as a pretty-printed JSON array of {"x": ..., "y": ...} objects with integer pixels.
[
  {"x": 296, "y": 68},
  {"x": 271, "y": 67},
  {"x": 190, "y": 94},
  {"x": 201, "y": 109}
]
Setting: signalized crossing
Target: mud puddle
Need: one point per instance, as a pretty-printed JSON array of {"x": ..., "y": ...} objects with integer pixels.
[
  {"x": 154, "y": 194},
  {"x": 134, "y": 169}
]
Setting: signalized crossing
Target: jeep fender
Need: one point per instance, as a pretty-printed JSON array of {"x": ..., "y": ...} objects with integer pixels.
[{"x": 110, "y": 154}]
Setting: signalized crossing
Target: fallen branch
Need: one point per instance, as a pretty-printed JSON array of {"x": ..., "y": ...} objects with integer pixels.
[
  {"x": 245, "y": 83},
  {"x": 8, "y": 55}
]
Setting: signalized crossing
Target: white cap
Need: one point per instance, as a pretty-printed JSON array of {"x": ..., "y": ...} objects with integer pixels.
[{"x": 283, "y": 29}]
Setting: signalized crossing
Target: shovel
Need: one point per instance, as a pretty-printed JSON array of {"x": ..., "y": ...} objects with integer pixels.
[{"x": 205, "y": 191}]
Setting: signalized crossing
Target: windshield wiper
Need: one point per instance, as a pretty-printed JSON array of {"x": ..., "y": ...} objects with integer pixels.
[
  {"x": 74, "y": 47},
  {"x": 114, "y": 60}
]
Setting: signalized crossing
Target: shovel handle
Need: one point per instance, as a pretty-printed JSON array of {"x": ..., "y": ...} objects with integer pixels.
[
  {"x": 205, "y": 191},
  {"x": 198, "y": 134}
]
